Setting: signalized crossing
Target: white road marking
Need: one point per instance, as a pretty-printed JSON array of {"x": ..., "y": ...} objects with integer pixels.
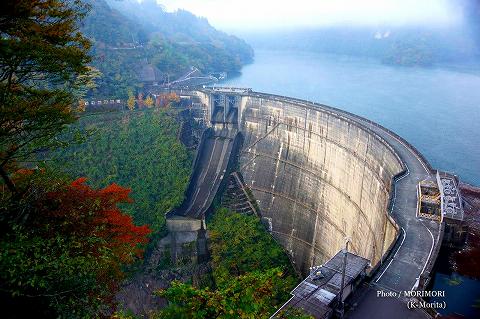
[
  {"x": 409, "y": 149},
  {"x": 429, "y": 254},
  {"x": 384, "y": 270},
  {"x": 404, "y": 236}
]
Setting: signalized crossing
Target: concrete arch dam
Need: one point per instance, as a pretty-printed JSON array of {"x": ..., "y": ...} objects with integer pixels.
[{"x": 319, "y": 175}]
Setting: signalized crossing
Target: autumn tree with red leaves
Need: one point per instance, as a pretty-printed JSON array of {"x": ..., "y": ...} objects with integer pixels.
[
  {"x": 67, "y": 252},
  {"x": 63, "y": 245}
]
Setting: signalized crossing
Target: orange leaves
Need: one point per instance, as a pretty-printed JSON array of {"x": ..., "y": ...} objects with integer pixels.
[
  {"x": 116, "y": 193},
  {"x": 24, "y": 172},
  {"x": 90, "y": 215},
  {"x": 79, "y": 182},
  {"x": 163, "y": 100},
  {"x": 173, "y": 97},
  {"x": 149, "y": 101}
]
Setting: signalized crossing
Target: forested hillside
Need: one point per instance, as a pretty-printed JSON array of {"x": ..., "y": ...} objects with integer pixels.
[
  {"x": 64, "y": 246},
  {"x": 139, "y": 34},
  {"x": 135, "y": 149}
]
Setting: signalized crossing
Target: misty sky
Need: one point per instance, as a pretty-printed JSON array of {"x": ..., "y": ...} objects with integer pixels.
[{"x": 267, "y": 14}]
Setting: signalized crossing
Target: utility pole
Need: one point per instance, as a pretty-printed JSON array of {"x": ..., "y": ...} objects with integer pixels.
[{"x": 345, "y": 254}]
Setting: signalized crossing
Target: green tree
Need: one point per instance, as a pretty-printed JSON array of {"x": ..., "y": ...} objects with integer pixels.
[
  {"x": 239, "y": 244},
  {"x": 246, "y": 296},
  {"x": 252, "y": 274},
  {"x": 139, "y": 149},
  {"x": 43, "y": 61}
]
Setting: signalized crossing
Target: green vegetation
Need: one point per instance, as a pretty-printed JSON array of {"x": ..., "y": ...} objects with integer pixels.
[
  {"x": 136, "y": 149},
  {"x": 126, "y": 40},
  {"x": 43, "y": 63},
  {"x": 252, "y": 274},
  {"x": 240, "y": 244},
  {"x": 64, "y": 246}
]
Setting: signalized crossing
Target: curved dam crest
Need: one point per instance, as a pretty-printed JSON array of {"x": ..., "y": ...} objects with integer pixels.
[{"x": 318, "y": 175}]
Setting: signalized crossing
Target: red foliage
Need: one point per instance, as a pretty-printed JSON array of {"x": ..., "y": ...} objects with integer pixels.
[
  {"x": 82, "y": 222},
  {"x": 93, "y": 217}
]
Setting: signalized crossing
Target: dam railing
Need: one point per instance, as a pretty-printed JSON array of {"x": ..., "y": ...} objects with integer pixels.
[{"x": 332, "y": 111}]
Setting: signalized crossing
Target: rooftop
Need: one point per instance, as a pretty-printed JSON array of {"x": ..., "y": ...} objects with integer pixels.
[
  {"x": 450, "y": 196},
  {"x": 317, "y": 293},
  {"x": 149, "y": 73}
]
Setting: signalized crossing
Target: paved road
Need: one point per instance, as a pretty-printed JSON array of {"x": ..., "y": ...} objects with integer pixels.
[
  {"x": 413, "y": 250},
  {"x": 367, "y": 305},
  {"x": 418, "y": 236}
]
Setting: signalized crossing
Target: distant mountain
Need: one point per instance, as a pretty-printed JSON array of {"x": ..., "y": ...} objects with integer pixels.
[
  {"x": 128, "y": 35},
  {"x": 108, "y": 27},
  {"x": 183, "y": 27},
  {"x": 407, "y": 46}
]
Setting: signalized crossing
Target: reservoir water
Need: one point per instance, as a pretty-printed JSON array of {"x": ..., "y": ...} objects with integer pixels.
[{"x": 435, "y": 109}]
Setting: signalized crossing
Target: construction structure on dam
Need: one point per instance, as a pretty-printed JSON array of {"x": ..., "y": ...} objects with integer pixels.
[{"x": 317, "y": 175}]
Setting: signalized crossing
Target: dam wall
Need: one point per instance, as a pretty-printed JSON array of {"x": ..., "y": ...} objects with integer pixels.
[{"x": 318, "y": 177}]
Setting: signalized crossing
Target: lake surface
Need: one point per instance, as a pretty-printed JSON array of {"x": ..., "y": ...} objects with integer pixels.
[{"x": 435, "y": 109}]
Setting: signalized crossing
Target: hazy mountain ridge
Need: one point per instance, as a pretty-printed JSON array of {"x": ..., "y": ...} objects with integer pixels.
[
  {"x": 182, "y": 26},
  {"x": 393, "y": 45},
  {"x": 127, "y": 34},
  {"x": 107, "y": 26}
]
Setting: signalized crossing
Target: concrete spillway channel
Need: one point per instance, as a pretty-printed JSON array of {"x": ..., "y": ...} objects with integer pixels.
[
  {"x": 319, "y": 175},
  {"x": 213, "y": 162}
]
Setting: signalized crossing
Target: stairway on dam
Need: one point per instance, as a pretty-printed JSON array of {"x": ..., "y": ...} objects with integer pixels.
[{"x": 237, "y": 198}]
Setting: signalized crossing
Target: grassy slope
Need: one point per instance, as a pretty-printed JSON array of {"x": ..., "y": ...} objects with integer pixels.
[{"x": 138, "y": 150}]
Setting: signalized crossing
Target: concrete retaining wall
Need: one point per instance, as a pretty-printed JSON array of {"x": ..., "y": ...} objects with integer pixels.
[{"x": 320, "y": 177}]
